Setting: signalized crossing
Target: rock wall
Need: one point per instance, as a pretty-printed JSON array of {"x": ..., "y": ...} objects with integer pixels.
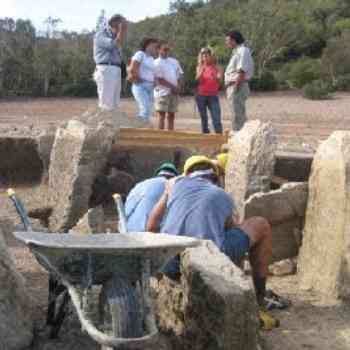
[
  {"x": 16, "y": 323},
  {"x": 251, "y": 162},
  {"x": 324, "y": 262},
  {"x": 285, "y": 210},
  {"x": 212, "y": 307}
]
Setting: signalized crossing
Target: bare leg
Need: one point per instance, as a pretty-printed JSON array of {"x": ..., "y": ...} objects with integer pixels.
[
  {"x": 161, "y": 124},
  {"x": 259, "y": 231},
  {"x": 171, "y": 120}
]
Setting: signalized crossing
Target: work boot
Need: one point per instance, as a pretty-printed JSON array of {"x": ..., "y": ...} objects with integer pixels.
[{"x": 272, "y": 301}]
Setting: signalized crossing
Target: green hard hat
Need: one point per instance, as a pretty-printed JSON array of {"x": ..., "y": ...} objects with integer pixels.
[{"x": 167, "y": 168}]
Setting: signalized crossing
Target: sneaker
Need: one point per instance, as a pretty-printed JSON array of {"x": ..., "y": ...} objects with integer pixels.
[
  {"x": 272, "y": 301},
  {"x": 267, "y": 321}
]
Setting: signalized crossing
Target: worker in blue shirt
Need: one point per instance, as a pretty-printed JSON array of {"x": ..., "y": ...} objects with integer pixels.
[
  {"x": 194, "y": 205},
  {"x": 145, "y": 195}
]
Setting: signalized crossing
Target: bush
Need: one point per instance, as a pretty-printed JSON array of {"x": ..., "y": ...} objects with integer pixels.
[
  {"x": 302, "y": 72},
  {"x": 266, "y": 82},
  {"x": 317, "y": 90},
  {"x": 342, "y": 83},
  {"x": 84, "y": 88}
]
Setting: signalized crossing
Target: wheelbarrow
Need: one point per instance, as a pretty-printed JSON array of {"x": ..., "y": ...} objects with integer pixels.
[{"x": 122, "y": 264}]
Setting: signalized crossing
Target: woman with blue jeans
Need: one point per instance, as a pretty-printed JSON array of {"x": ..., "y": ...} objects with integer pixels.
[
  {"x": 209, "y": 76},
  {"x": 142, "y": 74}
]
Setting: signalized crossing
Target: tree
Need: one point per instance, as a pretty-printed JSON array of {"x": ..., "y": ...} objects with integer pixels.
[{"x": 101, "y": 21}]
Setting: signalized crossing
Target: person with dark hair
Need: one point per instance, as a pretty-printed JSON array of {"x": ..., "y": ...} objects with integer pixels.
[
  {"x": 168, "y": 81},
  {"x": 108, "y": 44},
  {"x": 237, "y": 75},
  {"x": 209, "y": 76},
  {"x": 141, "y": 72},
  {"x": 144, "y": 196}
]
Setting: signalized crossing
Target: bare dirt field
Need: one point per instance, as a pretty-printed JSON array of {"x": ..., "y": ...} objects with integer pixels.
[{"x": 299, "y": 123}]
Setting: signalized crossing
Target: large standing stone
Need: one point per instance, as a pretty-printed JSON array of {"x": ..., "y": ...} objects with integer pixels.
[
  {"x": 16, "y": 323},
  {"x": 251, "y": 162},
  {"x": 212, "y": 307},
  {"x": 79, "y": 154},
  {"x": 324, "y": 263},
  {"x": 285, "y": 210}
]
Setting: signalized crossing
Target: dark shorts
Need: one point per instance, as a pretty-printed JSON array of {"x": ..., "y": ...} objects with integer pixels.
[{"x": 236, "y": 245}]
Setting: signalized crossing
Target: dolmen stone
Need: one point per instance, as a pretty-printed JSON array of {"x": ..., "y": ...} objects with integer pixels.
[
  {"x": 213, "y": 306},
  {"x": 324, "y": 262},
  {"x": 79, "y": 155},
  {"x": 251, "y": 162},
  {"x": 285, "y": 209}
]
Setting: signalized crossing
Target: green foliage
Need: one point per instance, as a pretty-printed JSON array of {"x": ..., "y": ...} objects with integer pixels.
[
  {"x": 302, "y": 72},
  {"x": 317, "y": 90},
  {"x": 83, "y": 88},
  {"x": 266, "y": 82},
  {"x": 342, "y": 83},
  {"x": 294, "y": 42},
  {"x": 336, "y": 56}
]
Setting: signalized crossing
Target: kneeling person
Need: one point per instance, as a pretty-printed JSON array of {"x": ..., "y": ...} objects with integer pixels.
[
  {"x": 145, "y": 195},
  {"x": 195, "y": 206}
]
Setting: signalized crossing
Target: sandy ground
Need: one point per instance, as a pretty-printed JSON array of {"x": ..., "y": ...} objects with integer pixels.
[
  {"x": 307, "y": 324},
  {"x": 298, "y": 122}
]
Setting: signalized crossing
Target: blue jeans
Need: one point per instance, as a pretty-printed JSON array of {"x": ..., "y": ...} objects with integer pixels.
[
  {"x": 213, "y": 104},
  {"x": 143, "y": 93}
]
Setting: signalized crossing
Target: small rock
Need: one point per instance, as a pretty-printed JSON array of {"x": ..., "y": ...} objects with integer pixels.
[{"x": 283, "y": 268}]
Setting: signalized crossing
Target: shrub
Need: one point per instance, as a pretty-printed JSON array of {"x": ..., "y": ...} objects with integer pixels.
[
  {"x": 342, "y": 83},
  {"x": 83, "y": 88},
  {"x": 303, "y": 71},
  {"x": 266, "y": 82},
  {"x": 317, "y": 90}
]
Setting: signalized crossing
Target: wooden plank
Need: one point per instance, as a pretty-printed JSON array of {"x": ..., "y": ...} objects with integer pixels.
[{"x": 152, "y": 137}]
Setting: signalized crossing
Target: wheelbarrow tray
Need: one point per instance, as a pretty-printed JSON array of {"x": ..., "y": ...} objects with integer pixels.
[{"x": 74, "y": 257}]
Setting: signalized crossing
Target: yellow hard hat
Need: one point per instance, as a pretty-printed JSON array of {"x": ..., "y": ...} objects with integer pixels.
[
  {"x": 222, "y": 159},
  {"x": 195, "y": 160}
]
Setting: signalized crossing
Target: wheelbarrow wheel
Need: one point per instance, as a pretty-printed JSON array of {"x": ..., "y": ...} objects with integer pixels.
[{"x": 120, "y": 309}]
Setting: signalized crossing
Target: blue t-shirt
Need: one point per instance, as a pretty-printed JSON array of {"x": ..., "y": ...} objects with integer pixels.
[
  {"x": 199, "y": 209},
  {"x": 140, "y": 202}
]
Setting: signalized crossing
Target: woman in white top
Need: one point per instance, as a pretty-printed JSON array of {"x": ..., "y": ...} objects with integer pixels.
[{"x": 142, "y": 75}]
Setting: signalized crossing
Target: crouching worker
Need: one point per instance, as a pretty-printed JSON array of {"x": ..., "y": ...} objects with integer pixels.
[
  {"x": 195, "y": 206},
  {"x": 145, "y": 195}
]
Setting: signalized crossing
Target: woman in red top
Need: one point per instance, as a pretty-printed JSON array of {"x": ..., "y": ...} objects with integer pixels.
[{"x": 209, "y": 76}]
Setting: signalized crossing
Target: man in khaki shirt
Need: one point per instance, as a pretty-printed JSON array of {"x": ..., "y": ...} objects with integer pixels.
[{"x": 237, "y": 75}]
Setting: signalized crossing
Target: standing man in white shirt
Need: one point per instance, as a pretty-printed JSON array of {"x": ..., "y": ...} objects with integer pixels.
[
  {"x": 108, "y": 58},
  {"x": 237, "y": 75},
  {"x": 167, "y": 89}
]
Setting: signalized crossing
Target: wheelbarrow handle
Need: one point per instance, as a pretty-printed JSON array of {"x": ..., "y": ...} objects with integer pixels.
[
  {"x": 20, "y": 210},
  {"x": 121, "y": 213}
]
